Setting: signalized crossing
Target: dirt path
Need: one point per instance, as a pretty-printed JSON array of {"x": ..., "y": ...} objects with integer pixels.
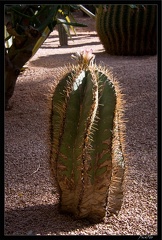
[{"x": 31, "y": 202}]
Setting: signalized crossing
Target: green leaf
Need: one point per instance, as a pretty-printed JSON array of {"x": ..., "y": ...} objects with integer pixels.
[
  {"x": 20, "y": 13},
  {"x": 7, "y": 38},
  {"x": 62, "y": 21},
  {"x": 87, "y": 11},
  {"x": 51, "y": 17},
  {"x": 51, "y": 25}
]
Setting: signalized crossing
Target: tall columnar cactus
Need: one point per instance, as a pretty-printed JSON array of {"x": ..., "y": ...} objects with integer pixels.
[
  {"x": 87, "y": 157},
  {"x": 127, "y": 29}
]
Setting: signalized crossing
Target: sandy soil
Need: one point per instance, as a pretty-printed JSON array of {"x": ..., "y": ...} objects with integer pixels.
[{"x": 31, "y": 201}]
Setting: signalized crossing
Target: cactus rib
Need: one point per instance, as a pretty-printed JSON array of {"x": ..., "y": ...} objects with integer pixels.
[
  {"x": 87, "y": 140},
  {"x": 124, "y": 30}
]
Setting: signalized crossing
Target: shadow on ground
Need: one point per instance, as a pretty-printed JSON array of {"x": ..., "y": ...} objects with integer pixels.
[
  {"x": 60, "y": 60},
  {"x": 49, "y": 46},
  {"x": 40, "y": 219}
]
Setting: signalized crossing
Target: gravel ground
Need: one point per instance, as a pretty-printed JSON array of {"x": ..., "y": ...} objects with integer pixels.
[{"x": 31, "y": 200}]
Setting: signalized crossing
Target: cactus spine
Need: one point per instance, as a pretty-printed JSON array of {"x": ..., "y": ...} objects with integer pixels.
[
  {"x": 87, "y": 140},
  {"x": 127, "y": 29}
]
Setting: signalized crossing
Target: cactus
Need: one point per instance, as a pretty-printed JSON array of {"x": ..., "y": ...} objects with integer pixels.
[
  {"x": 63, "y": 37},
  {"x": 127, "y": 29},
  {"x": 87, "y": 134}
]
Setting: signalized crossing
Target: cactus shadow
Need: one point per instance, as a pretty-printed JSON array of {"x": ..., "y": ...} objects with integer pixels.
[
  {"x": 49, "y": 46},
  {"x": 52, "y": 61},
  {"x": 42, "y": 220}
]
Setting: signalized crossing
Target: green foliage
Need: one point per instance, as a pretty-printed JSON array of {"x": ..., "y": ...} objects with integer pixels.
[
  {"x": 42, "y": 18},
  {"x": 85, "y": 138},
  {"x": 127, "y": 29},
  {"x": 26, "y": 28}
]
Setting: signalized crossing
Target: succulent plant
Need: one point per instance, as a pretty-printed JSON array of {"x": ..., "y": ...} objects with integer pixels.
[
  {"x": 26, "y": 28},
  {"x": 127, "y": 29},
  {"x": 87, "y": 134}
]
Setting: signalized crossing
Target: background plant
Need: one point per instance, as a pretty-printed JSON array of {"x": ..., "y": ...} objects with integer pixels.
[
  {"x": 127, "y": 29},
  {"x": 26, "y": 28}
]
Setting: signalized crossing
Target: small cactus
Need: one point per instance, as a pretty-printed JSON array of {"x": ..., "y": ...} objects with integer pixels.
[
  {"x": 87, "y": 134},
  {"x": 127, "y": 29}
]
